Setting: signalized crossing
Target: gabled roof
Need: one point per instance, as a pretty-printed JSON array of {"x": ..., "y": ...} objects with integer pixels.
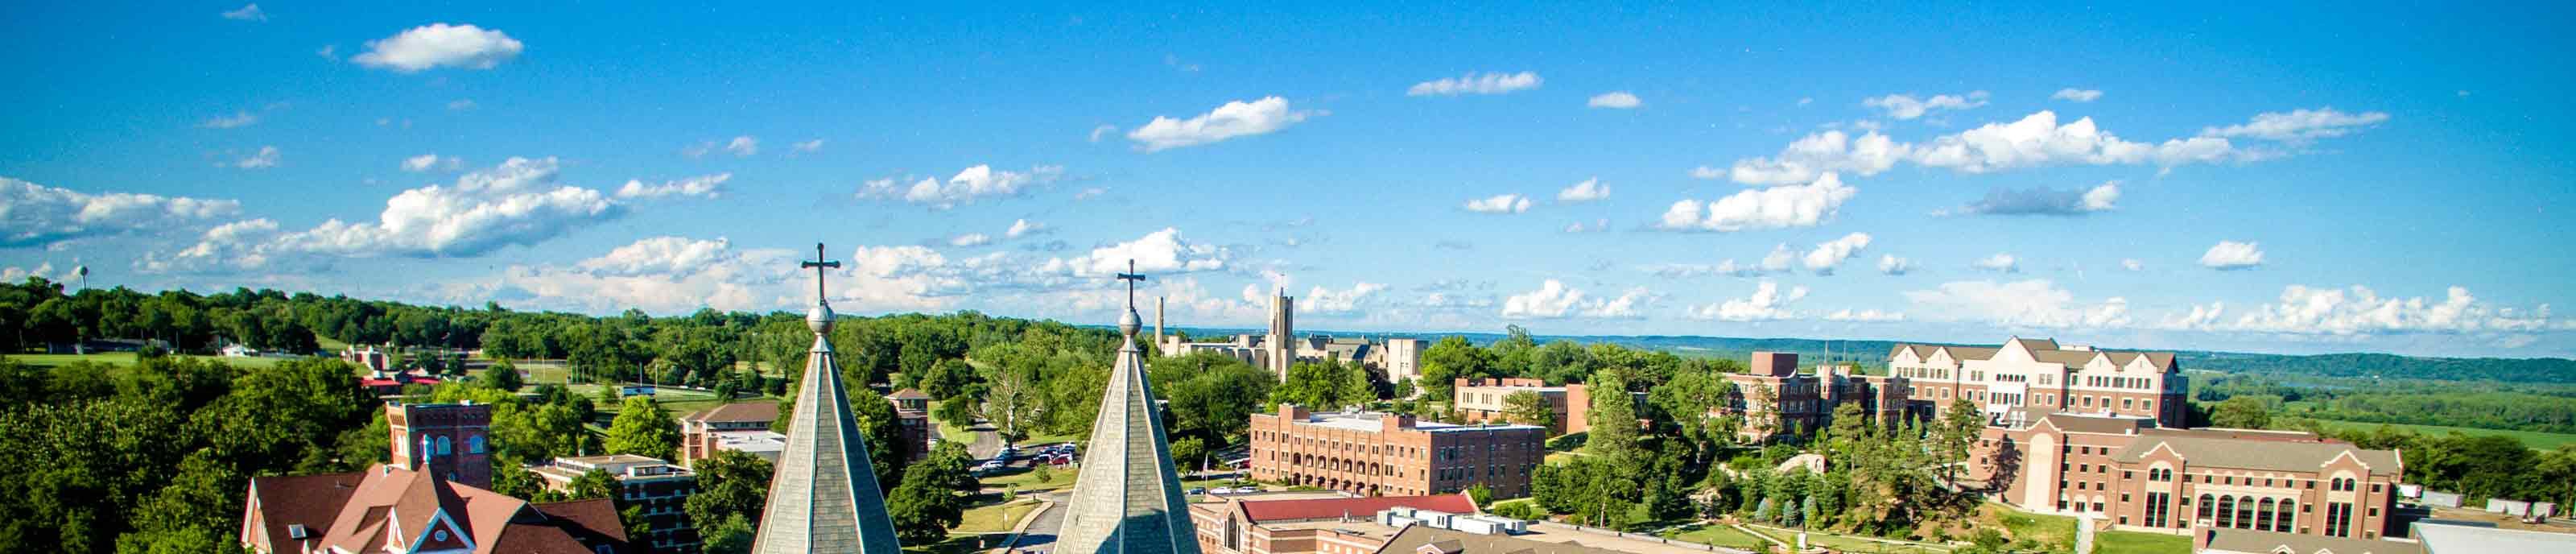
[
  {"x": 761, "y": 411},
  {"x": 307, "y": 500},
  {"x": 1414, "y": 537},
  {"x": 2108, "y": 425},
  {"x": 1326, "y": 508},
  {"x": 2248, "y": 540},
  {"x": 2222, "y": 449},
  {"x": 357, "y": 512},
  {"x": 909, "y": 393}
]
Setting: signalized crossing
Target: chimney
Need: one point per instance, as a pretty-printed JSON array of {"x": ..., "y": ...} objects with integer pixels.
[{"x": 1395, "y": 422}]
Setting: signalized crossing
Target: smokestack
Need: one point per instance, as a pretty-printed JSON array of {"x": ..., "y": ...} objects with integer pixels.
[{"x": 1158, "y": 324}]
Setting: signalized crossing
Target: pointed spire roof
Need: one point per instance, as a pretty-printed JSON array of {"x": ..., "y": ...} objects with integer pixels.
[
  {"x": 823, "y": 496},
  {"x": 1128, "y": 499}
]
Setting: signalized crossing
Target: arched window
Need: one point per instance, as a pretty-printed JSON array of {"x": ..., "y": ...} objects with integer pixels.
[
  {"x": 2205, "y": 505},
  {"x": 2245, "y": 513},
  {"x": 2226, "y": 511},
  {"x": 2282, "y": 519},
  {"x": 474, "y": 444},
  {"x": 444, "y": 448},
  {"x": 2263, "y": 516}
]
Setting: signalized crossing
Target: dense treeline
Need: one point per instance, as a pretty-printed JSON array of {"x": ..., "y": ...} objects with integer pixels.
[
  {"x": 2528, "y": 407},
  {"x": 2530, "y": 370},
  {"x": 2478, "y": 467}
]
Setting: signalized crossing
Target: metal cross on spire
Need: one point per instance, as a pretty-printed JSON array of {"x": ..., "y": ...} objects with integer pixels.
[
  {"x": 1131, "y": 277},
  {"x": 818, "y": 263}
]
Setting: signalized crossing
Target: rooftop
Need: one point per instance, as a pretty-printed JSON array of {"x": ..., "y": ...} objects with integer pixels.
[
  {"x": 2270, "y": 451},
  {"x": 738, "y": 412},
  {"x": 2269, "y": 542},
  {"x": 1362, "y": 508},
  {"x": 1370, "y": 422},
  {"x": 2457, "y": 539}
]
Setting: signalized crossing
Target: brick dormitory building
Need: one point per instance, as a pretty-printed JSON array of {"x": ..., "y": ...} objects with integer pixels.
[
  {"x": 1385, "y": 454},
  {"x": 431, "y": 498}
]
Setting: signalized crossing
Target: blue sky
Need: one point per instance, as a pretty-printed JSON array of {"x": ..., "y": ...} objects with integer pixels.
[{"x": 2288, "y": 179}]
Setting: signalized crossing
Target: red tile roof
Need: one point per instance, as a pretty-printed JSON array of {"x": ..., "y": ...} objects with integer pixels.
[
  {"x": 353, "y": 511},
  {"x": 1326, "y": 508}
]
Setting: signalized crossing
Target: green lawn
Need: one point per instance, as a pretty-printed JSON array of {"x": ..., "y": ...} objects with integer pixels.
[
  {"x": 127, "y": 358},
  {"x": 2045, "y": 529},
  {"x": 1847, "y": 543},
  {"x": 1027, "y": 481},
  {"x": 996, "y": 518},
  {"x": 2534, "y": 439},
  {"x": 2132, "y": 542},
  {"x": 951, "y": 433},
  {"x": 1721, "y": 535}
]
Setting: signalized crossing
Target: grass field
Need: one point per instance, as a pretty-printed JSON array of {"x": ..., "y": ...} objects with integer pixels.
[
  {"x": 127, "y": 358},
  {"x": 997, "y": 518},
  {"x": 2534, "y": 439},
  {"x": 1720, "y": 535},
  {"x": 2044, "y": 529},
  {"x": 1027, "y": 481},
  {"x": 2132, "y": 542},
  {"x": 1847, "y": 543}
]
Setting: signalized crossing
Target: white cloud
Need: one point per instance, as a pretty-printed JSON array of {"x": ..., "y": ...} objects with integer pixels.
[
  {"x": 1160, "y": 251},
  {"x": 239, "y": 118},
  {"x": 658, "y": 275},
  {"x": 1475, "y": 83},
  {"x": 33, "y": 214},
  {"x": 1803, "y": 101},
  {"x": 2076, "y": 95},
  {"x": 515, "y": 203},
  {"x": 1586, "y": 191},
  {"x": 1089, "y": 193},
  {"x": 1620, "y": 100},
  {"x": 1706, "y": 172},
  {"x": 1814, "y": 156},
  {"x": 2044, "y": 201},
  {"x": 1554, "y": 300},
  {"x": 1831, "y": 253},
  {"x": 1906, "y": 106},
  {"x": 966, "y": 187},
  {"x": 1597, "y": 225},
  {"x": 1864, "y": 316},
  {"x": 440, "y": 45},
  {"x": 247, "y": 13},
  {"x": 970, "y": 239},
  {"x": 2299, "y": 126},
  {"x": 265, "y": 158},
  {"x": 1768, "y": 303},
  {"x": 460, "y": 104},
  {"x": 2132, "y": 264},
  {"x": 1023, "y": 227},
  {"x": 329, "y": 52},
  {"x": 426, "y": 162},
  {"x": 1327, "y": 301},
  {"x": 1499, "y": 204},
  {"x": 703, "y": 186},
  {"x": 1726, "y": 268},
  {"x": 743, "y": 145},
  {"x": 666, "y": 254},
  {"x": 1103, "y": 130},
  {"x": 2228, "y": 254},
  {"x": 807, "y": 147},
  {"x": 14, "y": 274},
  {"x": 2000, "y": 262},
  {"x": 2357, "y": 310},
  {"x": 1892, "y": 265},
  {"x": 1769, "y": 208},
  {"x": 1234, "y": 119},
  {"x": 2034, "y": 303}
]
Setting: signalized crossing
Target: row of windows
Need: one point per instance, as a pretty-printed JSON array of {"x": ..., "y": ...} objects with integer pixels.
[{"x": 2106, "y": 381}]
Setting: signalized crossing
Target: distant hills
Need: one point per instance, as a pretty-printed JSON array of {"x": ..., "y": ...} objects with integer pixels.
[{"x": 1873, "y": 354}]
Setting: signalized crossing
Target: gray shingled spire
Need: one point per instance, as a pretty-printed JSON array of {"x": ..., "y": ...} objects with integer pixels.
[
  {"x": 1128, "y": 500},
  {"x": 823, "y": 496}
]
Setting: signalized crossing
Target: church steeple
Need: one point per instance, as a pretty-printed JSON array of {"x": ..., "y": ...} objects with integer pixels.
[
  {"x": 823, "y": 496},
  {"x": 1128, "y": 499}
]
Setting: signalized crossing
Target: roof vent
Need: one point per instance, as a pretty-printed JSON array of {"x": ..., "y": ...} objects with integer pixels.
[{"x": 297, "y": 531}]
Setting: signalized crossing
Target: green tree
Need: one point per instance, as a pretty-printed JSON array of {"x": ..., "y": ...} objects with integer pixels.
[
  {"x": 1528, "y": 408},
  {"x": 643, "y": 428},
  {"x": 1212, "y": 395},
  {"x": 947, "y": 379},
  {"x": 502, "y": 375},
  {"x": 1189, "y": 453},
  {"x": 1480, "y": 494},
  {"x": 2242, "y": 412},
  {"x": 1613, "y": 417},
  {"x": 732, "y": 536},
  {"x": 1954, "y": 435},
  {"x": 959, "y": 413},
  {"x": 1448, "y": 360},
  {"x": 731, "y": 484},
  {"x": 925, "y": 506},
  {"x": 596, "y": 483}
]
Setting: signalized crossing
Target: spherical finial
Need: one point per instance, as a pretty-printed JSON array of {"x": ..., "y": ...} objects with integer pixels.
[
  {"x": 1129, "y": 324},
  {"x": 819, "y": 319}
]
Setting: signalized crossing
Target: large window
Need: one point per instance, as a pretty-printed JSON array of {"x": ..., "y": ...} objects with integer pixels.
[
  {"x": 2227, "y": 511},
  {"x": 2283, "y": 519},
  {"x": 2205, "y": 504}
]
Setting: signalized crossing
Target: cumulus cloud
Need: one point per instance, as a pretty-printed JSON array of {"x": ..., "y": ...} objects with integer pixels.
[
  {"x": 2034, "y": 303},
  {"x": 807, "y": 147},
  {"x": 1475, "y": 83},
  {"x": 743, "y": 145},
  {"x": 1553, "y": 300},
  {"x": 2076, "y": 95},
  {"x": 702, "y": 186},
  {"x": 2044, "y": 201},
  {"x": 1769, "y": 208},
  {"x": 1619, "y": 100},
  {"x": 1234, "y": 119},
  {"x": 239, "y": 118},
  {"x": 1023, "y": 227},
  {"x": 2132, "y": 264},
  {"x": 2000, "y": 262},
  {"x": 1596, "y": 226},
  {"x": 665, "y": 254},
  {"x": 1864, "y": 316},
  {"x": 2229, "y": 255},
  {"x": 1892, "y": 265},
  {"x": 247, "y": 13},
  {"x": 2299, "y": 126},
  {"x": 1160, "y": 251},
  {"x": 1328, "y": 301},
  {"x": 266, "y": 157},
  {"x": 2357, "y": 310},
  {"x": 1906, "y": 106},
  {"x": 515, "y": 203},
  {"x": 2037, "y": 140},
  {"x": 440, "y": 45},
  {"x": 33, "y": 214},
  {"x": 426, "y": 162},
  {"x": 1586, "y": 191},
  {"x": 1831, "y": 253},
  {"x": 666, "y": 274},
  {"x": 970, "y": 239},
  {"x": 967, "y": 186},
  {"x": 1768, "y": 303},
  {"x": 1499, "y": 204},
  {"x": 460, "y": 104}
]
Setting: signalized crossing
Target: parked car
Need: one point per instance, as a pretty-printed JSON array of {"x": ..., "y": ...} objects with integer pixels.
[{"x": 1198, "y": 490}]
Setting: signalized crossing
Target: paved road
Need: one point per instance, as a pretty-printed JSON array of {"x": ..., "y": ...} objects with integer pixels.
[
  {"x": 1040, "y": 536},
  {"x": 987, "y": 443}
]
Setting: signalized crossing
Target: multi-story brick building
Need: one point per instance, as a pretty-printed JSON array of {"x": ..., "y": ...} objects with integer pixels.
[
  {"x": 2040, "y": 376},
  {"x": 1480, "y": 400},
  {"x": 704, "y": 432},
  {"x": 912, "y": 422},
  {"x": 1296, "y": 524},
  {"x": 2146, "y": 478},
  {"x": 1371, "y": 453},
  {"x": 660, "y": 488},
  {"x": 1801, "y": 403},
  {"x": 448, "y": 440}
]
